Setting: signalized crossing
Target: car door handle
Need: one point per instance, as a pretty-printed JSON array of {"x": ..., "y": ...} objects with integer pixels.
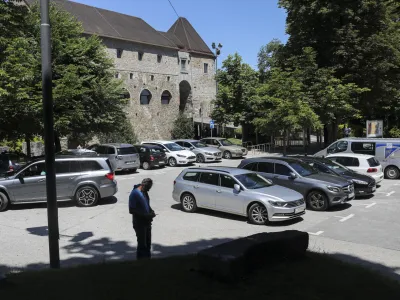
[
  {"x": 72, "y": 177},
  {"x": 218, "y": 191},
  {"x": 276, "y": 176},
  {"x": 196, "y": 186},
  {"x": 41, "y": 180}
]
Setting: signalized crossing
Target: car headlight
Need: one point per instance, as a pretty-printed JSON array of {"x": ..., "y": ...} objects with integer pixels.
[
  {"x": 360, "y": 182},
  {"x": 180, "y": 155},
  {"x": 334, "y": 189},
  {"x": 277, "y": 203},
  {"x": 208, "y": 153}
]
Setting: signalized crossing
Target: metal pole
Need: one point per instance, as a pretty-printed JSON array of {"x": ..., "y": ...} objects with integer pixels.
[{"x": 52, "y": 209}]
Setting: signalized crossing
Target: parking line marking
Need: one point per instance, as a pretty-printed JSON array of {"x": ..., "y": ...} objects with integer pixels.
[
  {"x": 390, "y": 194},
  {"x": 342, "y": 219},
  {"x": 316, "y": 233},
  {"x": 370, "y": 205}
]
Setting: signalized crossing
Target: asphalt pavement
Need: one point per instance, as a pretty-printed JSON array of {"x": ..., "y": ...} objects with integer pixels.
[{"x": 364, "y": 231}]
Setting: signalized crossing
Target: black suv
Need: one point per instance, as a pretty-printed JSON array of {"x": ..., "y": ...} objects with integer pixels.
[{"x": 151, "y": 156}]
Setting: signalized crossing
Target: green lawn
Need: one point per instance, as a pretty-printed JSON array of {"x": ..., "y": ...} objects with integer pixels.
[
  {"x": 235, "y": 141},
  {"x": 315, "y": 277}
]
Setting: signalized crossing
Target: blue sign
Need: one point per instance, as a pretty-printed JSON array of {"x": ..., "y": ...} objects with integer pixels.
[{"x": 212, "y": 124}]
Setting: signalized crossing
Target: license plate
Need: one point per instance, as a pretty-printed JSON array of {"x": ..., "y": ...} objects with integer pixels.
[
  {"x": 161, "y": 162},
  {"x": 298, "y": 210},
  {"x": 130, "y": 162},
  {"x": 351, "y": 195},
  {"x": 374, "y": 189}
]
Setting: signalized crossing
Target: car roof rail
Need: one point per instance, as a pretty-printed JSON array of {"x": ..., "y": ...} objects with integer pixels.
[{"x": 208, "y": 169}]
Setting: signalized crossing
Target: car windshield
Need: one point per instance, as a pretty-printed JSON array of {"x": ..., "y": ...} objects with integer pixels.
[
  {"x": 226, "y": 143},
  {"x": 336, "y": 167},
  {"x": 173, "y": 147},
  {"x": 199, "y": 145},
  {"x": 253, "y": 181},
  {"x": 126, "y": 150},
  {"x": 303, "y": 169}
]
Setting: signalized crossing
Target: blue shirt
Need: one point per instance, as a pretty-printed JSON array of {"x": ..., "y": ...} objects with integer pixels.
[{"x": 138, "y": 201}]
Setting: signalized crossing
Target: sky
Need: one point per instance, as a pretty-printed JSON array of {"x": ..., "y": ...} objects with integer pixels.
[{"x": 241, "y": 26}]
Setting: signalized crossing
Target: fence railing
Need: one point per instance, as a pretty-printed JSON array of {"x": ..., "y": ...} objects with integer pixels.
[{"x": 261, "y": 148}]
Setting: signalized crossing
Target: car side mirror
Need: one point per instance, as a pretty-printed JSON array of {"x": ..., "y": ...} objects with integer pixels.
[
  {"x": 237, "y": 188},
  {"x": 292, "y": 175},
  {"x": 191, "y": 148}
]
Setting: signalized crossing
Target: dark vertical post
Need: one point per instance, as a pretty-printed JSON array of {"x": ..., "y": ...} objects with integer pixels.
[{"x": 52, "y": 209}]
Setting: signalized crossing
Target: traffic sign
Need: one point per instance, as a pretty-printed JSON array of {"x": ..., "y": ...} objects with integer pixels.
[{"x": 212, "y": 124}]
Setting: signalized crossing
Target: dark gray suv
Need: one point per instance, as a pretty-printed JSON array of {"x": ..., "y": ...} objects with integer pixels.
[
  {"x": 320, "y": 190},
  {"x": 83, "y": 179}
]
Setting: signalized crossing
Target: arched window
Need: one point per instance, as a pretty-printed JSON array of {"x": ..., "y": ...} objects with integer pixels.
[
  {"x": 145, "y": 97},
  {"x": 125, "y": 94},
  {"x": 165, "y": 97}
]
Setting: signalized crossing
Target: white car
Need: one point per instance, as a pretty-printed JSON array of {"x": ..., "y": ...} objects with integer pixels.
[
  {"x": 176, "y": 155},
  {"x": 361, "y": 163}
]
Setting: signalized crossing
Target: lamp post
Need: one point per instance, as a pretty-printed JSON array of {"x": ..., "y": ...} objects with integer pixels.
[{"x": 217, "y": 49}]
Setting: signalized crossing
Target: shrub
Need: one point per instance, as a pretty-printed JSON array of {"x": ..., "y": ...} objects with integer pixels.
[{"x": 183, "y": 128}]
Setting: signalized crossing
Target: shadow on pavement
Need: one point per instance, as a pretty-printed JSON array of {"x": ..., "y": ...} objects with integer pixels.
[{"x": 340, "y": 207}]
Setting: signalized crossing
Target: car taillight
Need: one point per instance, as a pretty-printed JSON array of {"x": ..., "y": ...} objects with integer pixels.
[
  {"x": 174, "y": 182},
  {"x": 151, "y": 158},
  {"x": 110, "y": 176},
  {"x": 11, "y": 168},
  {"x": 372, "y": 170}
]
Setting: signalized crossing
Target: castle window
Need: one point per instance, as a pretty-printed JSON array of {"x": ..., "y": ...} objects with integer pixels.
[
  {"x": 152, "y": 77},
  {"x": 119, "y": 53},
  {"x": 140, "y": 55},
  {"x": 183, "y": 64},
  {"x": 159, "y": 58},
  {"x": 205, "y": 68},
  {"x": 165, "y": 97},
  {"x": 117, "y": 75},
  {"x": 145, "y": 97},
  {"x": 131, "y": 76},
  {"x": 168, "y": 78}
]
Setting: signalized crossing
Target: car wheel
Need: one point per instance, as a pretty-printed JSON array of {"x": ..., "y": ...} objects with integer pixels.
[
  {"x": 146, "y": 166},
  {"x": 133, "y": 170},
  {"x": 200, "y": 158},
  {"x": 317, "y": 200},
  {"x": 3, "y": 201},
  {"x": 392, "y": 172},
  {"x": 188, "y": 203},
  {"x": 172, "y": 162},
  {"x": 227, "y": 155},
  {"x": 86, "y": 196},
  {"x": 258, "y": 214}
]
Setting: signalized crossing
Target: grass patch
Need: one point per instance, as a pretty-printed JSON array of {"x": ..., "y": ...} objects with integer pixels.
[
  {"x": 315, "y": 277},
  {"x": 235, "y": 141}
]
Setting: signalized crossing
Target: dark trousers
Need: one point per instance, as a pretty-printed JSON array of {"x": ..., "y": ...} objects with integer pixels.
[{"x": 143, "y": 235}]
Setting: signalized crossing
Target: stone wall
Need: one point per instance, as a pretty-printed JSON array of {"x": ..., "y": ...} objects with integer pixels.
[{"x": 155, "y": 121}]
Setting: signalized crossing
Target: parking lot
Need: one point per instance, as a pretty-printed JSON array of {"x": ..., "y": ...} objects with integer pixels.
[{"x": 364, "y": 229}]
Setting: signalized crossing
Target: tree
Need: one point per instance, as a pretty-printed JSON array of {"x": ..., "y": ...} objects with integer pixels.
[
  {"x": 269, "y": 57},
  {"x": 237, "y": 92},
  {"x": 87, "y": 98},
  {"x": 123, "y": 133},
  {"x": 284, "y": 106},
  {"x": 359, "y": 40},
  {"x": 183, "y": 128}
]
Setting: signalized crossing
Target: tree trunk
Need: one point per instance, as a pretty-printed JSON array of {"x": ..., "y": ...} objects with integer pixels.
[
  {"x": 308, "y": 136},
  {"x": 57, "y": 142},
  {"x": 304, "y": 141},
  {"x": 28, "y": 146},
  {"x": 284, "y": 142},
  {"x": 326, "y": 136}
]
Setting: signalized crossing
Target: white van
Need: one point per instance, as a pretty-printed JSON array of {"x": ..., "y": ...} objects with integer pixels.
[{"x": 386, "y": 151}]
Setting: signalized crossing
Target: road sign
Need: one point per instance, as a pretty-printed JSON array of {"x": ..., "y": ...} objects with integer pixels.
[{"x": 212, "y": 124}]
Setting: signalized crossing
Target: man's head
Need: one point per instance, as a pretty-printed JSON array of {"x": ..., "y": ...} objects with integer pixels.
[{"x": 147, "y": 183}]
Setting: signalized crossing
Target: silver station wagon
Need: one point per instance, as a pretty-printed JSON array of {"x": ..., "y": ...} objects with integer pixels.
[
  {"x": 83, "y": 179},
  {"x": 237, "y": 191}
]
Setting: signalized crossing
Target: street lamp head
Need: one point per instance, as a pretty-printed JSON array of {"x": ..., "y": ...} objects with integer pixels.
[
  {"x": 213, "y": 45},
  {"x": 219, "y": 45}
]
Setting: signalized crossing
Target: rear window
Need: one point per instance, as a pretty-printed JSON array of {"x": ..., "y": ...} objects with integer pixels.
[
  {"x": 363, "y": 148},
  {"x": 373, "y": 162},
  {"x": 126, "y": 150},
  {"x": 251, "y": 167},
  {"x": 156, "y": 150},
  {"x": 191, "y": 176},
  {"x": 90, "y": 165}
]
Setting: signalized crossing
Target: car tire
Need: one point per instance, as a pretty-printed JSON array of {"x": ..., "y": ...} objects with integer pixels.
[
  {"x": 133, "y": 170},
  {"x": 188, "y": 203},
  {"x": 86, "y": 196},
  {"x": 172, "y": 162},
  {"x": 392, "y": 172},
  {"x": 258, "y": 214},
  {"x": 227, "y": 155},
  {"x": 146, "y": 165},
  {"x": 200, "y": 158},
  {"x": 3, "y": 201},
  {"x": 317, "y": 200}
]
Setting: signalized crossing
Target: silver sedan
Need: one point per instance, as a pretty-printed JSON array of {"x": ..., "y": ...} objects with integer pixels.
[
  {"x": 203, "y": 153},
  {"x": 239, "y": 192}
]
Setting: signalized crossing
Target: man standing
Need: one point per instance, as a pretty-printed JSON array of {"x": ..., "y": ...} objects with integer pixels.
[{"x": 142, "y": 217}]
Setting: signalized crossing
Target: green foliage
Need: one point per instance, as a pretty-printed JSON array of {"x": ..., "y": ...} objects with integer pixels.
[
  {"x": 394, "y": 132},
  {"x": 237, "y": 92},
  {"x": 269, "y": 57},
  {"x": 183, "y": 128},
  {"x": 358, "y": 42},
  {"x": 87, "y": 98},
  {"x": 122, "y": 133},
  {"x": 239, "y": 132}
]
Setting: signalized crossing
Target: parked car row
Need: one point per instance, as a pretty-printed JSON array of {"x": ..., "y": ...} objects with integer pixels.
[{"x": 270, "y": 189}]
